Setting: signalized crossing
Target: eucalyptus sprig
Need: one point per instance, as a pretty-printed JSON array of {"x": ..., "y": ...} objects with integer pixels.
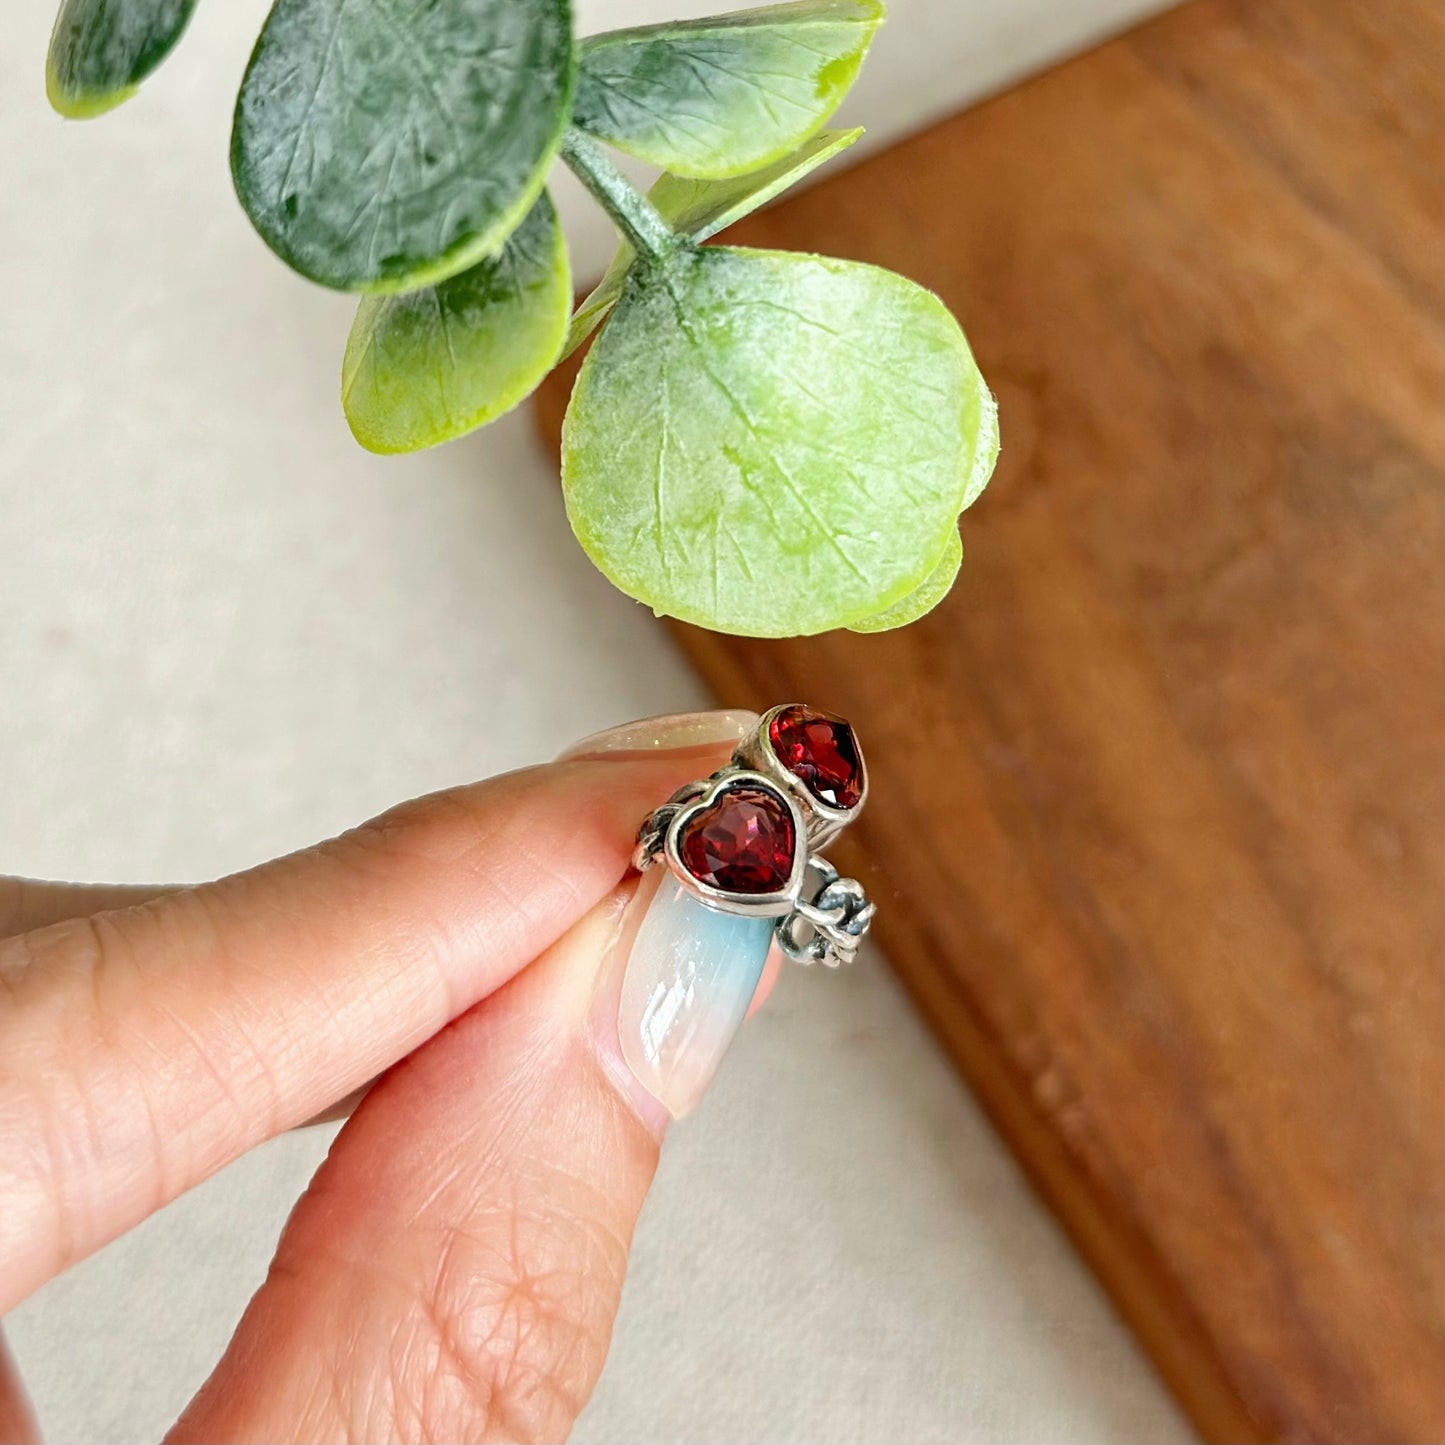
[{"x": 763, "y": 442}]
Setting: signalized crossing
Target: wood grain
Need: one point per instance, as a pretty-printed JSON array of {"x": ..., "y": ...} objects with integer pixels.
[{"x": 1157, "y": 801}]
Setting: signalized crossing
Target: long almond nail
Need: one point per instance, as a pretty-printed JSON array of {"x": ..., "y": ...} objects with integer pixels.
[
  {"x": 687, "y": 976},
  {"x": 671, "y": 733}
]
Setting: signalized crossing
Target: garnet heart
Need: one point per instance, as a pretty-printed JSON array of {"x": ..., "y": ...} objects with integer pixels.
[
  {"x": 821, "y": 752},
  {"x": 744, "y": 841}
]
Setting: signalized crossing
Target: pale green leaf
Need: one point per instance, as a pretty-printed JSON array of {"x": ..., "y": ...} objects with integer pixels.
[
  {"x": 101, "y": 50},
  {"x": 701, "y": 209},
  {"x": 433, "y": 364},
  {"x": 924, "y": 598},
  {"x": 773, "y": 444},
  {"x": 381, "y": 145},
  {"x": 724, "y": 95}
]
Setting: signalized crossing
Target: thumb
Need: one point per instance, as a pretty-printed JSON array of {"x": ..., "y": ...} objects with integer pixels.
[{"x": 454, "y": 1269}]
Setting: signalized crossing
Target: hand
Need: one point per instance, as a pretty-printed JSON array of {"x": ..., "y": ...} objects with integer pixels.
[{"x": 453, "y": 1270}]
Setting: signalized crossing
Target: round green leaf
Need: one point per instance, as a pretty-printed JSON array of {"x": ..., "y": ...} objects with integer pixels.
[
  {"x": 724, "y": 95},
  {"x": 381, "y": 145},
  {"x": 925, "y": 597},
  {"x": 773, "y": 444},
  {"x": 101, "y": 50},
  {"x": 700, "y": 209},
  {"x": 433, "y": 364}
]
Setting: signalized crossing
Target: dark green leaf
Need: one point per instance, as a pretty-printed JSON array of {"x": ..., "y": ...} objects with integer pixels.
[
  {"x": 726, "y": 95},
  {"x": 101, "y": 50},
  {"x": 430, "y": 365},
  {"x": 700, "y": 209},
  {"x": 381, "y": 145},
  {"x": 774, "y": 444}
]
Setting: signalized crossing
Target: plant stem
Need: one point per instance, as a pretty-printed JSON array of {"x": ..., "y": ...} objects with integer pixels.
[{"x": 631, "y": 212}]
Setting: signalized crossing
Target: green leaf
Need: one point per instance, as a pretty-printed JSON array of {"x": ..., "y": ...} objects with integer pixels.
[
  {"x": 925, "y": 597},
  {"x": 101, "y": 50},
  {"x": 381, "y": 145},
  {"x": 726, "y": 95},
  {"x": 773, "y": 444},
  {"x": 430, "y": 365},
  {"x": 700, "y": 209}
]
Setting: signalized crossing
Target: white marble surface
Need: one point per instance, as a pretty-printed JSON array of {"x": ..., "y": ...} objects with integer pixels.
[{"x": 225, "y": 631}]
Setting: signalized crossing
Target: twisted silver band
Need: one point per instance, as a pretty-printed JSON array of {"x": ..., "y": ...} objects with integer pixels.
[{"x": 828, "y": 927}]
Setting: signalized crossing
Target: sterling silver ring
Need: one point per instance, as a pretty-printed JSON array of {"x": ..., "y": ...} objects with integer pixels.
[{"x": 745, "y": 839}]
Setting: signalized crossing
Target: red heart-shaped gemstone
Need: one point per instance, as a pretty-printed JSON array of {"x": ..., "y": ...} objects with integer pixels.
[
  {"x": 821, "y": 752},
  {"x": 741, "y": 842}
]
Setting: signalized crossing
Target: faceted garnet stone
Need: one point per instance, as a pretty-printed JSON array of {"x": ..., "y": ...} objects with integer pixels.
[
  {"x": 742, "y": 842},
  {"x": 819, "y": 749}
]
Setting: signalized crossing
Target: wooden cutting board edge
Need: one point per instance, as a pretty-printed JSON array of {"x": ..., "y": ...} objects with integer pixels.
[
  {"x": 1190, "y": 1325},
  {"x": 1138, "y": 1284}
]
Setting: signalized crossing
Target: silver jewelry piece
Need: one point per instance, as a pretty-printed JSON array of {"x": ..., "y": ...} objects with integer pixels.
[
  {"x": 744, "y": 840},
  {"x": 757, "y": 750},
  {"x": 828, "y": 928},
  {"x": 662, "y": 836}
]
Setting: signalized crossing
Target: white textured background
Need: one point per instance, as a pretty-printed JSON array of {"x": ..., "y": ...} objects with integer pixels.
[{"x": 225, "y": 631}]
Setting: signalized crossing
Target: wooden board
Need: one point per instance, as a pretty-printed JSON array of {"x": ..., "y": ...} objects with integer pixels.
[{"x": 1156, "y": 817}]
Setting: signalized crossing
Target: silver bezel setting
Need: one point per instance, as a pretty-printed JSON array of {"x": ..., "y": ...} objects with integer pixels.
[
  {"x": 820, "y": 916},
  {"x": 754, "y": 905},
  {"x": 824, "y": 822}
]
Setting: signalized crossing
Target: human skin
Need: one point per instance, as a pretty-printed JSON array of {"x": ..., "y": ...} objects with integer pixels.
[{"x": 453, "y": 1270}]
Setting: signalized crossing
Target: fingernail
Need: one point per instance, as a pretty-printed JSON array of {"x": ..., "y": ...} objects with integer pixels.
[
  {"x": 671, "y": 733},
  {"x": 684, "y": 976}
]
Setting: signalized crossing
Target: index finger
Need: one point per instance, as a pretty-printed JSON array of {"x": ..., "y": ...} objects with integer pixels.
[
  {"x": 141, "y": 1050},
  {"x": 30, "y": 903}
]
